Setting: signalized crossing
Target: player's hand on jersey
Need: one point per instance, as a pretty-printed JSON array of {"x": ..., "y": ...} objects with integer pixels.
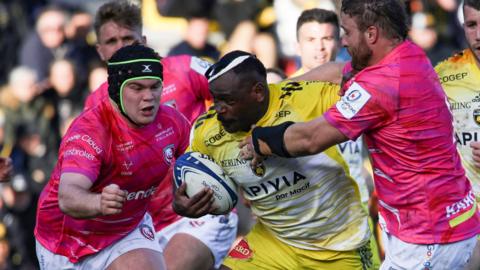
[
  {"x": 476, "y": 153},
  {"x": 247, "y": 152},
  {"x": 198, "y": 205},
  {"x": 6, "y": 169},
  {"x": 112, "y": 199}
]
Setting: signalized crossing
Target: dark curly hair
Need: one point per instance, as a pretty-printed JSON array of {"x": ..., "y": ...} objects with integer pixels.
[{"x": 388, "y": 15}]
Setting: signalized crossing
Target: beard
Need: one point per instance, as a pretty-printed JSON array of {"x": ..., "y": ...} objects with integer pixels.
[{"x": 361, "y": 55}]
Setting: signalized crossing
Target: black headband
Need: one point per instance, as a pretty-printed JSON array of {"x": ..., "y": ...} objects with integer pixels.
[{"x": 227, "y": 63}]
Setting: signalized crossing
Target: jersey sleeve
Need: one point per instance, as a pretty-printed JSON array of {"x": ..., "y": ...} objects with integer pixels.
[
  {"x": 360, "y": 109},
  {"x": 310, "y": 99},
  {"x": 82, "y": 152},
  {"x": 198, "y": 133},
  {"x": 328, "y": 97}
]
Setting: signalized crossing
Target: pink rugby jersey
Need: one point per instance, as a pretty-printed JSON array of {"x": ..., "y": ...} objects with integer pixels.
[
  {"x": 424, "y": 195},
  {"x": 184, "y": 88},
  {"x": 102, "y": 146}
]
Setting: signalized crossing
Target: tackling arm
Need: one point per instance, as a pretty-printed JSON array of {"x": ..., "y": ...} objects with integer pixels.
[
  {"x": 328, "y": 72},
  {"x": 299, "y": 139}
]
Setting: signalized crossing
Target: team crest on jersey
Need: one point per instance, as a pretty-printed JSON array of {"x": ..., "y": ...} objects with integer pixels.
[
  {"x": 259, "y": 170},
  {"x": 168, "y": 153},
  {"x": 147, "y": 232},
  {"x": 241, "y": 251},
  {"x": 476, "y": 116}
]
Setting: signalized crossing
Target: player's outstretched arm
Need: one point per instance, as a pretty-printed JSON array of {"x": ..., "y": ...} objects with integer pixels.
[
  {"x": 6, "y": 169},
  {"x": 328, "y": 72},
  {"x": 76, "y": 200},
  {"x": 198, "y": 205},
  {"x": 290, "y": 140},
  {"x": 308, "y": 138}
]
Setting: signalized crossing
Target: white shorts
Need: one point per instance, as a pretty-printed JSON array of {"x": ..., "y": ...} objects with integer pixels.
[
  {"x": 400, "y": 255},
  {"x": 216, "y": 232},
  {"x": 141, "y": 237}
]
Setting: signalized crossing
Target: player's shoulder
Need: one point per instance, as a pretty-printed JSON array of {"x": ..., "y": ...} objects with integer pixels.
[
  {"x": 185, "y": 63},
  {"x": 452, "y": 62},
  {"x": 302, "y": 90},
  {"x": 206, "y": 121}
]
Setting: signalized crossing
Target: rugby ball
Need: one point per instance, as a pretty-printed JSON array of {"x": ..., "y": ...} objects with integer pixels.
[{"x": 198, "y": 171}]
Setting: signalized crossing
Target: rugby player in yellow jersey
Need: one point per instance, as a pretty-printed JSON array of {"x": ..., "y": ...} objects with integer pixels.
[
  {"x": 460, "y": 78},
  {"x": 308, "y": 209}
]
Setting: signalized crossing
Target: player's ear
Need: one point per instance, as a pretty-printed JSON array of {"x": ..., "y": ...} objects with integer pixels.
[
  {"x": 371, "y": 34},
  {"x": 259, "y": 90}
]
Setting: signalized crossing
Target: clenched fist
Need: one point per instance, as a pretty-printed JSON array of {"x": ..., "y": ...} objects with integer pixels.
[{"x": 112, "y": 199}]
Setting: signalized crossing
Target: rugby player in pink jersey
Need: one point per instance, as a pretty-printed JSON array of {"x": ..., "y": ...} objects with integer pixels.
[
  {"x": 187, "y": 243},
  {"x": 92, "y": 214},
  {"x": 426, "y": 203}
]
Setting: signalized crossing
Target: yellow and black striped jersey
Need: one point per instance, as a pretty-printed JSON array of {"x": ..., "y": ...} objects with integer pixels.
[
  {"x": 460, "y": 78},
  {"x": 308, "y": 202}
]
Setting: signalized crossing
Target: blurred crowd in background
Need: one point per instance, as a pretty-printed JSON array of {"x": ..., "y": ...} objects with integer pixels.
[{"x": 50, "y": 65}]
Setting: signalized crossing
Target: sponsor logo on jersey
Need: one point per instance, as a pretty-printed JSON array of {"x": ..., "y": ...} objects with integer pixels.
[
  {"x": 215, "y": 138},
  {"x": 147, "y": 232},
  {"x": 259, "y": 170},
  {"x": 241, "y": 251},
  {"x": 73, "y": 138},
  {"x": 167, "y": 89},
  {"x": 92, "y": 143},
  {"x": 460, "y": 206},
  {"x": 86, "y": 139},
  {"x": 169, "y": 153},
  {"x": 464, "y": 138},
  {"x": 353, "y": 101},
  {"x": 124, "y": 147},
  {"x": 127, "y": 165},
  {"x": 282, "y": 114},
  {"x": 233, "y": 162},
  {"x": 353, "y": 95},
  {"x": 454, "y": 77},
  {"x": 350, "y": 147},
  {"x": 275, "y": 185},
  {"x": 460, "y": 105},
  {"x": 476, "y": 98},
  {"x": 476, "y": 116},
  {"x": 78, "y": 152},
  {"x": 141, "y": 194},
  {"x": 164, "y": 134}
]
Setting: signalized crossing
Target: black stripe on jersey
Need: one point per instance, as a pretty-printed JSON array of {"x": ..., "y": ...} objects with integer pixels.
[
  {"x": 289, "y": 88},
  {"x": 203, "y": 117}
]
